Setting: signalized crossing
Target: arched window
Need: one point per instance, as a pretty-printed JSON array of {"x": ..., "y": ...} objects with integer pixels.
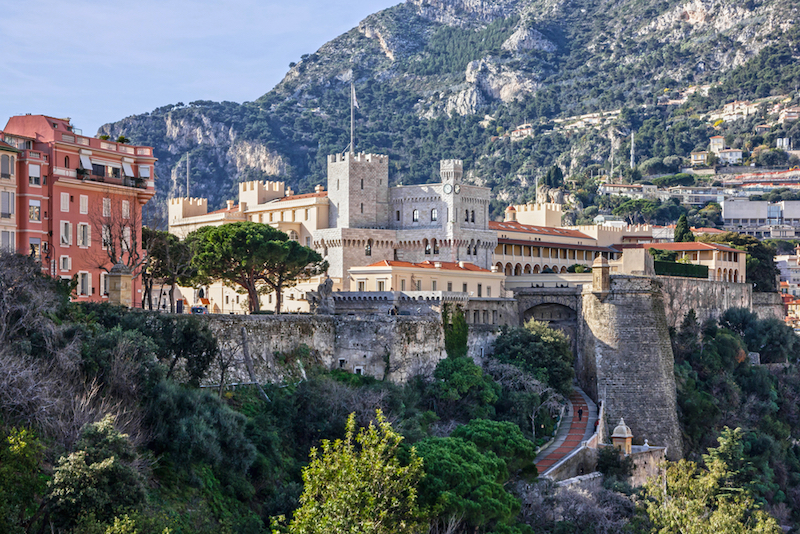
[
  {"x": 466, "y": 216},
  {"x": 427, "y": 246},
  {"x": 415, "y": 216},
  {"x": 472, "y": 216},
  {"x": 293, "y": 235},
  {"x": 473, "y": 248},
  {"x": 469, "y": 250},
  {"x": 368, "y": 248},
  {"x": 66, "y": 162},
  {"x": 435, "y": 247},
  {"x": 434, "y": 215}
]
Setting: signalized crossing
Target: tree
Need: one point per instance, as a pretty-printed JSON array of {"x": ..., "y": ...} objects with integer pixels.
[
  {"x": 170, "y": 261},
  {"x": 683, "y": 234},
  {"x": 21, "y": 482},
  {"x": 290, "y": 263},
  {"x": 249, "y": 255},
  {"x": 691, "y": 500},
  {"x": 358, "y": 485},
  {"x": 118, "y": 223},
  {"x": 539, "y": 350},
  {"x": 455, "y": 332}
]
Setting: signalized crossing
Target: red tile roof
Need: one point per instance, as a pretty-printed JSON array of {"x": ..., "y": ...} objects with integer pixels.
[
  {"x": 446, "y": 265},
  {"x": 550, "y": 244},
  {"x": 512, "y": 226},
  {"x": 708, "y": 230},
  {"x": 687, "y": 247},
  {"x": 305, "y": 195}
]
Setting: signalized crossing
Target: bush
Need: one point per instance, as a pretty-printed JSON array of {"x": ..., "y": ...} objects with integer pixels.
[{"x": 98, "y": 478}]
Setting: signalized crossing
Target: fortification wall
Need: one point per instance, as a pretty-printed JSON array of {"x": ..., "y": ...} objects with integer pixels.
[
  {"x": 391, "y": 347},
  {"x": 708, "y": 298},
  {"x": 768, "y": 305},
  {"x": 625, "y": 359}
]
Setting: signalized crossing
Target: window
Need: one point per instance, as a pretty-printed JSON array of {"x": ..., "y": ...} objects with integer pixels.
[
  {"x": 362, "y": 285},
  {"x": 476, "y": 318},
  {"x": 65, "y": 263},
  {"x": 7, "y": 241},
  {"x": 449, "y": 286},
  {"x": 34, "y": 210},
  {"x": 293, "y": 236},
  {"x": 307, "y": 214},
  {"x": 66, "y": 233},
  {"x": 480, "y": 289},
  {"x": 106, "y": 231},
  {"x": 84, "y": 284},
  {"x": 488, "y": 291},
  {"x": 466, "y": 216},
  {"x": 6, "y": 166},
  {"x": 35, "y": 248},
  {"x": 84, "y": 235},
  {"x": 368, "y": 248},
  {"x": 415, "y": 216},
  {"x": 362, "y": 207},
  {"x": 397, "y": 215},
  {"x": 419, "y": 285},
  {"x": 98, "y": 170},
  {"x": 308, "y": 242},
  {"x": 433, "y": 285},
  {"x": 464, "y": 288},
  {"x": 104, "y": 284},
  {"x": 126, "y": 238},
  {"x": 403, "y": 284},
  {"x": 34, "y": 174},
  {"x": 494, "y": 316},
  {"x": 362, "y": 183},
  {"x": 66, "y": 162},
  {"x": 427, "y": 246},
  {"x": 106, "y": 207},
  {"x": 435, "y": 247},
  {"x": 381, "y": 285},
  {"x": 434, "y": 214},
  {"x": 472, "y": 216},
  {"x": 270, "y": 217},
  {"x": 65, "y": 202},
  {"x": 84, "y": 204},
  {"x": 126, "y": 209},
  {"x": 6, "y": 204},
  {"x": 359, "y": 370}
]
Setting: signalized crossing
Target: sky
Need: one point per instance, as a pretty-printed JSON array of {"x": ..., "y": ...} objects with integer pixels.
[{"x": 101, "y": 61}]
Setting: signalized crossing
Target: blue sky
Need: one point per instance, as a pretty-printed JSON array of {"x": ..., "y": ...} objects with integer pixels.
[{"x": 99, "y": 62}]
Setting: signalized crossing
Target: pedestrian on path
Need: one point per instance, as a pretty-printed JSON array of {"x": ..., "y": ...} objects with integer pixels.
[{"x": 580, "y": 413}]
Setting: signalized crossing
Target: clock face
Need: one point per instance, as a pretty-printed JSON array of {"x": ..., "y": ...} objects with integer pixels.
[
  {"x": 458, "y": 189},
  {"x": 448, "y": 189}
]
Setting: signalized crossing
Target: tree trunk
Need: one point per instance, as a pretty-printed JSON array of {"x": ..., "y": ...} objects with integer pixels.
[
  {"x": 252, "y": 295},
  {"x": 249, "y": 363},
  {"x": 172, "y": 297},
  {"x": 278, "y": 298}
]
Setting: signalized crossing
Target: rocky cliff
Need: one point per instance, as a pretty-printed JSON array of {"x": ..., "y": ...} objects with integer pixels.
[{"x": 439, "y": 78}]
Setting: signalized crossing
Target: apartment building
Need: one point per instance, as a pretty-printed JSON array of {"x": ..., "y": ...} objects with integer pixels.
[
  {"x": 8, "y": 191},
  {"x": 79, "y": 202}
]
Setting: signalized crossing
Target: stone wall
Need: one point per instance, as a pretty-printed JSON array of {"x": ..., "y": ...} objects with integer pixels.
[
  {"x": 391, "y": 347},
  {"x": 625, "y": 359},
  {"x": 768, "y": 305},
  {"x": 708, "y": 298}
]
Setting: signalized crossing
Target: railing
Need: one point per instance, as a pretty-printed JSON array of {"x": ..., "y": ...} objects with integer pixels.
[{"x": 670, "y": 268}]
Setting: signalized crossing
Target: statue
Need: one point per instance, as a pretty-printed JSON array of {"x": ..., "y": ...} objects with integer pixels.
[{"x": 320, "y": 302}]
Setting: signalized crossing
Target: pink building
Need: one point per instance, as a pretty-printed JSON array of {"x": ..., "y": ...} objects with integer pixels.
[{"x": 79, "y": 202}]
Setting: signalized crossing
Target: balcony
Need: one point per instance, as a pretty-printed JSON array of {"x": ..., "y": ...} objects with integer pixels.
[{"x": 125, "y": 181}]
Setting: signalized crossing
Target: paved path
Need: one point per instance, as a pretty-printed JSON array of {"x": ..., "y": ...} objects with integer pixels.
[{"x": 573, "y": 430}]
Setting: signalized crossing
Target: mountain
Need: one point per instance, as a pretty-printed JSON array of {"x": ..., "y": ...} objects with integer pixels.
[{"x": 443, "y": 78}]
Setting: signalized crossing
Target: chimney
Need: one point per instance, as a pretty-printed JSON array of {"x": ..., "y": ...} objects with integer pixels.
[
  {"x": 230, "y": 204},
  {"x": 461, "y": 264},
  {"x": 437, "y": 264},
  {"x": 319, "y": 189}
]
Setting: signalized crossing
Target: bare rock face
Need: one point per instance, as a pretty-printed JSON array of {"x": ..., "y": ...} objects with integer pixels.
[
  {"x": 499, "y": 81},
  {"x": 466, "y": 102},
  {"x": 249, "y": 155},
  {"x": 528, "y": 39},
  {"x": 464, "y": 12}
]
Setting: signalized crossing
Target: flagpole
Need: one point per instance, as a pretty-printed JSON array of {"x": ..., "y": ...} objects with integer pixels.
[{"x": 352, "y": 118}]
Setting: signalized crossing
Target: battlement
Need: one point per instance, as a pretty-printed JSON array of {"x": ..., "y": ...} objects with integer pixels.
[
  {"x": 361, "y": 157},
  {"x": 547, "y": 215},
  {"x": 181, "y": 208},
  {"x": 257, "y": 192},
  {"x": 451, "y": 169}
]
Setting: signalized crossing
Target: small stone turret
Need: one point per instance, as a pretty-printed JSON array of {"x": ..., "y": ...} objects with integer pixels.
[
  {"x": 622, "y": 437},
  {"x": 601, "y": 279}
]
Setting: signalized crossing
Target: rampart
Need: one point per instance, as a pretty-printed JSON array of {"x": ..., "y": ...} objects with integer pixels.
[{"x": 708, "y": 298}]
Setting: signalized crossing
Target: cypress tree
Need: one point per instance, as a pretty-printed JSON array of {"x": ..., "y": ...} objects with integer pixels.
[{"x": 683, "y": 234}]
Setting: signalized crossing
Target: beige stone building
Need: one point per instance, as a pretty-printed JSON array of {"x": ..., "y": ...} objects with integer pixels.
[
  {"x": 405, "y": 276},
  {"x": 724, "y": 263}
]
